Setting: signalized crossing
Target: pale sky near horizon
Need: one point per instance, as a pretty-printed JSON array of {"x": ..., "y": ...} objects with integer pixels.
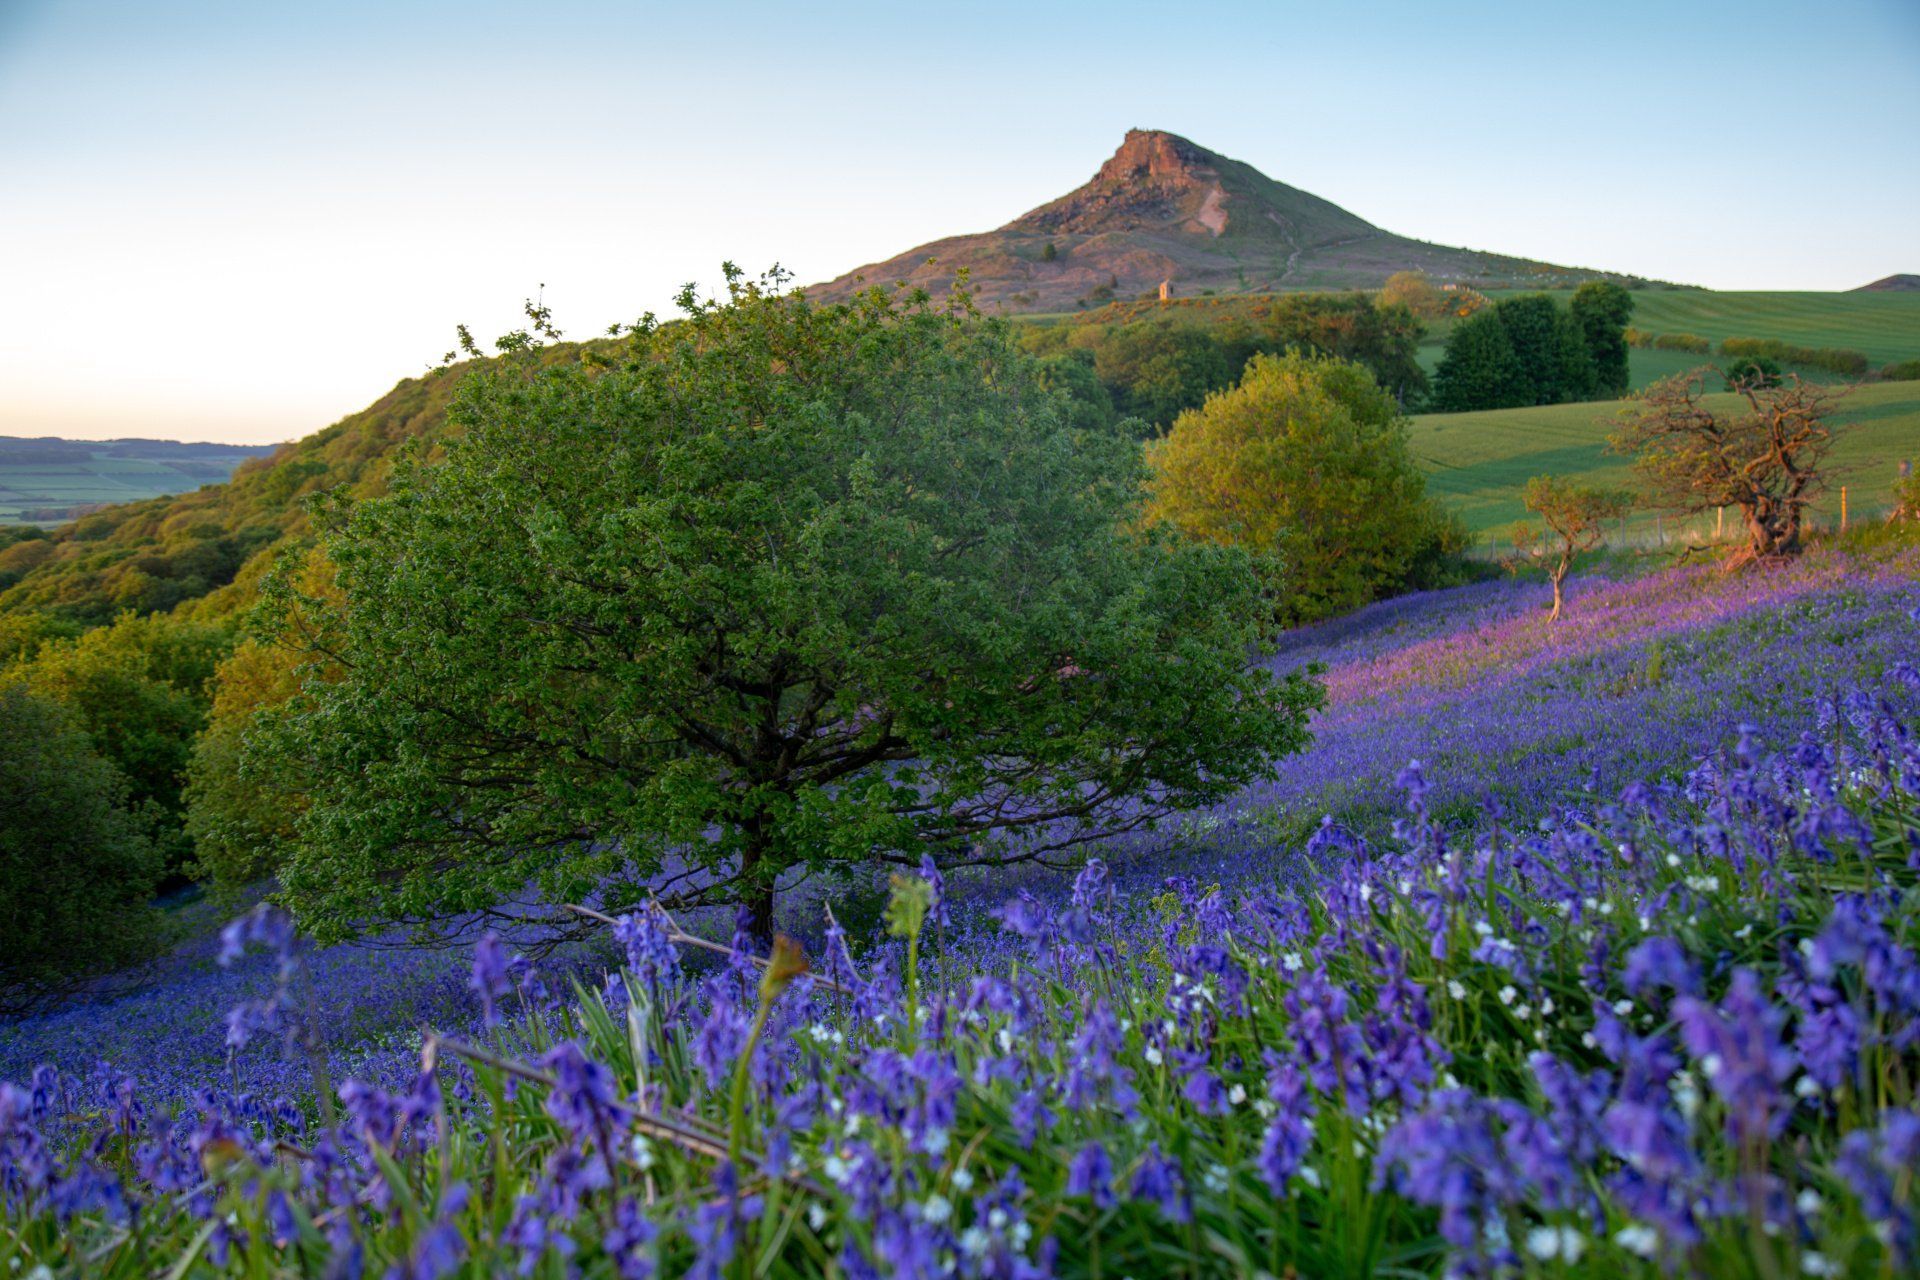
[{"x": 242, "y": 221}]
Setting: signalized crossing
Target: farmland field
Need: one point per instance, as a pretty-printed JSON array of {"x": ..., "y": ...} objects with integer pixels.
[
  {"x": 47, "y": 481},
  {"x": 1884, "y": 325},
  {"x": 1477, "y": 463}
]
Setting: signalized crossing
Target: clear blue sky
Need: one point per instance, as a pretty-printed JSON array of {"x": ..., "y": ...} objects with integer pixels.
[{"x": 241, "y": 221}]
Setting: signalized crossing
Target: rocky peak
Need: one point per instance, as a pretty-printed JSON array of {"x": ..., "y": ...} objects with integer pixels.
[
  {"x": 1155, "y": 179},
  {"x": 1152, "y": 156}
]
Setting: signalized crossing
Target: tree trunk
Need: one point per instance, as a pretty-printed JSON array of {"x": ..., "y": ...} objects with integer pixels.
[
  {"x": 757, "y": 887},
  {"x": 758, "y": 904}
]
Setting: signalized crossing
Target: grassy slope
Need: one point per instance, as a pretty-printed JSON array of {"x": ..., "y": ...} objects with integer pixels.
[
  {"x": 1478, "y": 462},
  {"x": 1884, "y": 325}
]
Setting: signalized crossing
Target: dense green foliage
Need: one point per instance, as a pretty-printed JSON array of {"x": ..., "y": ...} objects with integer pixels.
[
  {"x": 776, "y": 586},
  {"x": 76, "y": 865},
  {"x": 1480, "y": 370},
  {"x": 1529, "y": 350},
  {"x": 240, "y": 825},
  {"x": 138, "y": 688},
  {"x": 1602, "y": 310},
  {"x": 1156, "y": 360},
  {"x": 1753, "y": 371},
  {"x": 1305, "y": 462}
]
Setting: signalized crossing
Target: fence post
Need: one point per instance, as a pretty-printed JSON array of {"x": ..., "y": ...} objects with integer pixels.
[
  {"x": 1719, "y": 522},
  {"x": 1843, "y": 508}
]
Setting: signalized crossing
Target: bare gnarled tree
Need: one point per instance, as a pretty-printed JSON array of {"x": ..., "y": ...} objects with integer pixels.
[{"x": 1763, "y": 457}]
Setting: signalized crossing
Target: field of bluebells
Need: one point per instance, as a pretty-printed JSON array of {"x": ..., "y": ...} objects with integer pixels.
[{"x": 1621, "y": 980}]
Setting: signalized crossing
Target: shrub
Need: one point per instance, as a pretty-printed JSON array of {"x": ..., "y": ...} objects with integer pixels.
[
  {"x": 1415, "y": 291},
  {"x": 1841, "y": 360},
  {"x": 1751, "y": 371},
  {"x": 1691, "y": 343},
  {"x": 1901, "y": 371},
  {"x": 241, "y": 825},
  {"x": 76, "y": 867},
  {"x": 1906, "y": 496}
]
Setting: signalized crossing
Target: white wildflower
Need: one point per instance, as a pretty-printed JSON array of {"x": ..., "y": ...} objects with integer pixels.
[{"x": 1641, "y": 1241}]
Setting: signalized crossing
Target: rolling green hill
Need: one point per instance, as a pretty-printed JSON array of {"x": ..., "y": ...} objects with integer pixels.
[
  {"x": 47, "y": 481},
  {"x": 1884, "y": 324},
  {"x": 1477, "y": 463}
]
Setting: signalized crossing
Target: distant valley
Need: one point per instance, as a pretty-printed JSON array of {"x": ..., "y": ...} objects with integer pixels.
[{"x": 45, "y": 480}]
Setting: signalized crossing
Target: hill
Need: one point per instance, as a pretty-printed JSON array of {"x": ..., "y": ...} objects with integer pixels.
[
  {"x": 1885, "y": 324},
  {"x": 1166, "y": 209},
  {"x": 158, "y": 553},
  {"x": 204, "y": 546},
  {"x": 1905, "y": 282},
  {"x": 46, "y": 480},
  {"x": 1477, "y": 463}
]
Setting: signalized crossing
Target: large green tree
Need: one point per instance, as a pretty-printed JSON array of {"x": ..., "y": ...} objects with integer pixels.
[
  {"x": 76, "y": 867},
  {"x": 1552, "y": 355},
  {"x": 1602, "y": 310},
  {"x": 1306, "y": 463},
  {"x": 781, "y": 586},
  {"x": 1480, "y": 369}
]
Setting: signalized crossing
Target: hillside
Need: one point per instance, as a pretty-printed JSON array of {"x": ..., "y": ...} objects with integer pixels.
[
  {"x": 1166, "y": 209},
  {"x": 1904, "y": 282},
  {"x": 46, "y": 480},
  {"x": 1477, "y": 463},
  {"x": 158, "y": 553},
  {"x": 162, "y": 552},
  {"x": 1885, "y": 324}
]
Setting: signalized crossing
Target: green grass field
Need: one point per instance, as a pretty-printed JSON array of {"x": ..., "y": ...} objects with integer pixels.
[
  {"x": 1884, "y": 325},
  {"x": 46, "y": 481},
  {"x": 1477, "y": 463}
]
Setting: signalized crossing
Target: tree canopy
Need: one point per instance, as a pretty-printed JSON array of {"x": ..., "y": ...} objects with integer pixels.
[
  {"x": 1305, "y": 462},
  {"x": 776, "y": 586},
  {"x": 1602, "y": 309},
  {"x": 76, "y": 866},
  {"x": 1530, "y": 350}
]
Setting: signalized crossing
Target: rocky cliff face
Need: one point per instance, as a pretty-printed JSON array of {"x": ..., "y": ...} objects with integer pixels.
[
  {"x": 1164, "y": 208},
  {"x": 1155, "y": 180}
]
